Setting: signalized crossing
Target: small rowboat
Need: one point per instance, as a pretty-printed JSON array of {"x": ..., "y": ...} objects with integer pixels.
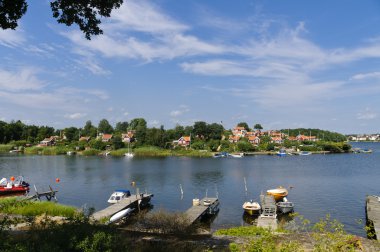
[
  {"x": 251, "y": 207},
  {"x": 117, "y": 216},
  {"x": 278, "y": 193}
]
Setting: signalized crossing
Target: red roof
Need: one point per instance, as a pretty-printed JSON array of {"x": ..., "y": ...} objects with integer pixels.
[{"x": 107, "y": 136}]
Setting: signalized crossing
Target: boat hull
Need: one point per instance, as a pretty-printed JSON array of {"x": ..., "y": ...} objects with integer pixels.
[
  {"x": 13, "y": 190},
  {"x": 285, "y": 207},
  {"x": 278, "y": 193},
  {"x": 252, "y": 208}
]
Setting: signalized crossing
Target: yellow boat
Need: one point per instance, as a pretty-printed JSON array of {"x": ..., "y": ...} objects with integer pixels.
[
  {"x": 251, "y": 207},
  {"x": 278, "y": 193}
]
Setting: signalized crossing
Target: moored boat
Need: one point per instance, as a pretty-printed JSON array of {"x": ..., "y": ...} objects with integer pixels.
[
  {"x": 13, "y": 186},
  {"x": 304, "y": 153},
  {"x": 118, "y": 195},
  {"x": 220, "y": 154},
  {"x": 251, "y": 207},
  {"x": 121, "y": 214},
  {"x": 278, "y": 193},
  {"x": 281, "y": 153},
  {"x": 285, "y": 206},
  {"x": 238, "y": 155}
]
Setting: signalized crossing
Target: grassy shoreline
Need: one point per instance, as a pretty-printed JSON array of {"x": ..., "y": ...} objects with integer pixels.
[{"x": 149, "y": 151}]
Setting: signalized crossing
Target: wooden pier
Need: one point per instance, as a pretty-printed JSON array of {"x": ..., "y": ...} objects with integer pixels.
[
  {"x": 373, "y": 213},
  {"x": 268, "y": 217},
  {"x": 197, "y": 211},
  {"x": 38, "y": 195},
  {"x": 130, "y": 202}
]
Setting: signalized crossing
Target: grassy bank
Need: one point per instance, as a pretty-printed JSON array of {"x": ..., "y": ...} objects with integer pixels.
[
  {"x": 5, "y": 148},
  {"x": 14, "y": 205}
]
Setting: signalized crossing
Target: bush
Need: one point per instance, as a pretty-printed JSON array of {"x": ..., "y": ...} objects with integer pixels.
[{"x": 166, "y": 223}]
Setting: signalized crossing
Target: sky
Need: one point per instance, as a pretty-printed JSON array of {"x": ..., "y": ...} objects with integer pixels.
[{"x": 283, "y": 64}]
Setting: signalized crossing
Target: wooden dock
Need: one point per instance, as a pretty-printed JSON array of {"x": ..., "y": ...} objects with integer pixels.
[
  {"x": 196, "y": 212},
  {"x": 373, "y": 213},
  {"x": 130, "y": 202},
  {"x": 268, "y": 217}
]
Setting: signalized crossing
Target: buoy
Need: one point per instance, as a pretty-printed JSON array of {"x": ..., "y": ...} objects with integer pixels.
[
  {"x": 12, "y": 178},
  {"x": 57, "y": 180}
]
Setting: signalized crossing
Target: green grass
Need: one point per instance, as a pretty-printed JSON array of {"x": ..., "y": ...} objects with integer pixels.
[
  {"x": 54, "y": 150},
  {"x": 90, "y": 152},
  {"x": 33, "y": 150},
  {"x": 119, "y": 152},
  {"x": 14, "y": 205},
  {"x": 243, "y": 231},
  {"x": 151, "y": 151},
  {"x": 5, "y": 148},
  {"x": 191, "y": 153}
]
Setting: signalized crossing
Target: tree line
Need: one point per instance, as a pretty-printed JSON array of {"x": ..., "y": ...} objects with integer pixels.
[{"x": 211, "y": 136}]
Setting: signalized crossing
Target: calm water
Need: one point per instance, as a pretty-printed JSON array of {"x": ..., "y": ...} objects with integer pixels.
[{"x": 322, "y": 184}]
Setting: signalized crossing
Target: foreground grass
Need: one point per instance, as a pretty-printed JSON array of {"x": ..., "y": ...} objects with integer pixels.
[
  {"x": 326, "y": 235},
  {"x": 34, "y": 208}
]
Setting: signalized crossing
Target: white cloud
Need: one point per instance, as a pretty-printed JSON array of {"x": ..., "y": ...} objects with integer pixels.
[
  {"x": 373, "y": 75},
  {"x": 11, "y": 38},
  {"x": 367, "y": 114},
  {"x": 182, "y": 110},
  {"x": 144, "y": 16},
  {"x": 126, "y": 113},
  {"x": 23, "y": 79},
  {"x": 75, "y": 115}
]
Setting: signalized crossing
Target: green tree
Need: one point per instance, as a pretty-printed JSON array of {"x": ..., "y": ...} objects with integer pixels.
[
  {"x": 122, "y": 127},
  {"x": 200, "y": 129},
  {"x": 97, "y": 144},
  {"x": 215, "y": 131},
  {"x": 244, "y": 145},
  {"x": 257, "y": 126},
  {"x": 89, "y": 129},
  {"x": 139, "y": 125},
  {"x": 245, "y": 125},
  {"x": 72, "y": 134},
  {"x": 104, "y": 127},
  {"x": 117, "y": 143},
  {"x": 156, "y": 137},
  {"x": 85, "y": 13}
]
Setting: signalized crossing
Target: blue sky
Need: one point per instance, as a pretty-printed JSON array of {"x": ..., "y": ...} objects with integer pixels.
[{"x": 283, "y": 64}]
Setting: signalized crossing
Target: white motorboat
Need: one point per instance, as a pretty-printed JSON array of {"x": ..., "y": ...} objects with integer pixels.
[
  {"x": 118, "y": 195},
  {"x": 285, "y": 206},
  {"x": 239, "y": 155},
  {"x": 251, "y": 207}
]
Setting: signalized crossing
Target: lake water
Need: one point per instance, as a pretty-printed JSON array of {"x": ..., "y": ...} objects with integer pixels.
[{"x": 321, "y": 184}]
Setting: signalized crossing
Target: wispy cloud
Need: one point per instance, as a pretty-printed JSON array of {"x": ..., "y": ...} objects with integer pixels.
[
  {"x": 182, "y": 110},
  {"x": 364, "y": 76},
  {"x": 23, "y": 79},
  {"x": 367, "y": 114},
  {"x": 75, "y": 116},
  {"x": 11, "y": 38}
]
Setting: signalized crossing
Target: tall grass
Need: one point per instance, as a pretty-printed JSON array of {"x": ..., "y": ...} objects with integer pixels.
[
  {"x": 119, "y": 152},
  {"x": 34, "y": 208},
  {"x": 90, "y": 152},
  {"x": 191, "y": 153},
  {"x": 151, "y": 151},
  {"x": 33, "y": 150},
  {"x": 5, "y": 148}
]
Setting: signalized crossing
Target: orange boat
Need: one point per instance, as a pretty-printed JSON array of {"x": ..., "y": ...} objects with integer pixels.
[{"x": 278, "y": 193}]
